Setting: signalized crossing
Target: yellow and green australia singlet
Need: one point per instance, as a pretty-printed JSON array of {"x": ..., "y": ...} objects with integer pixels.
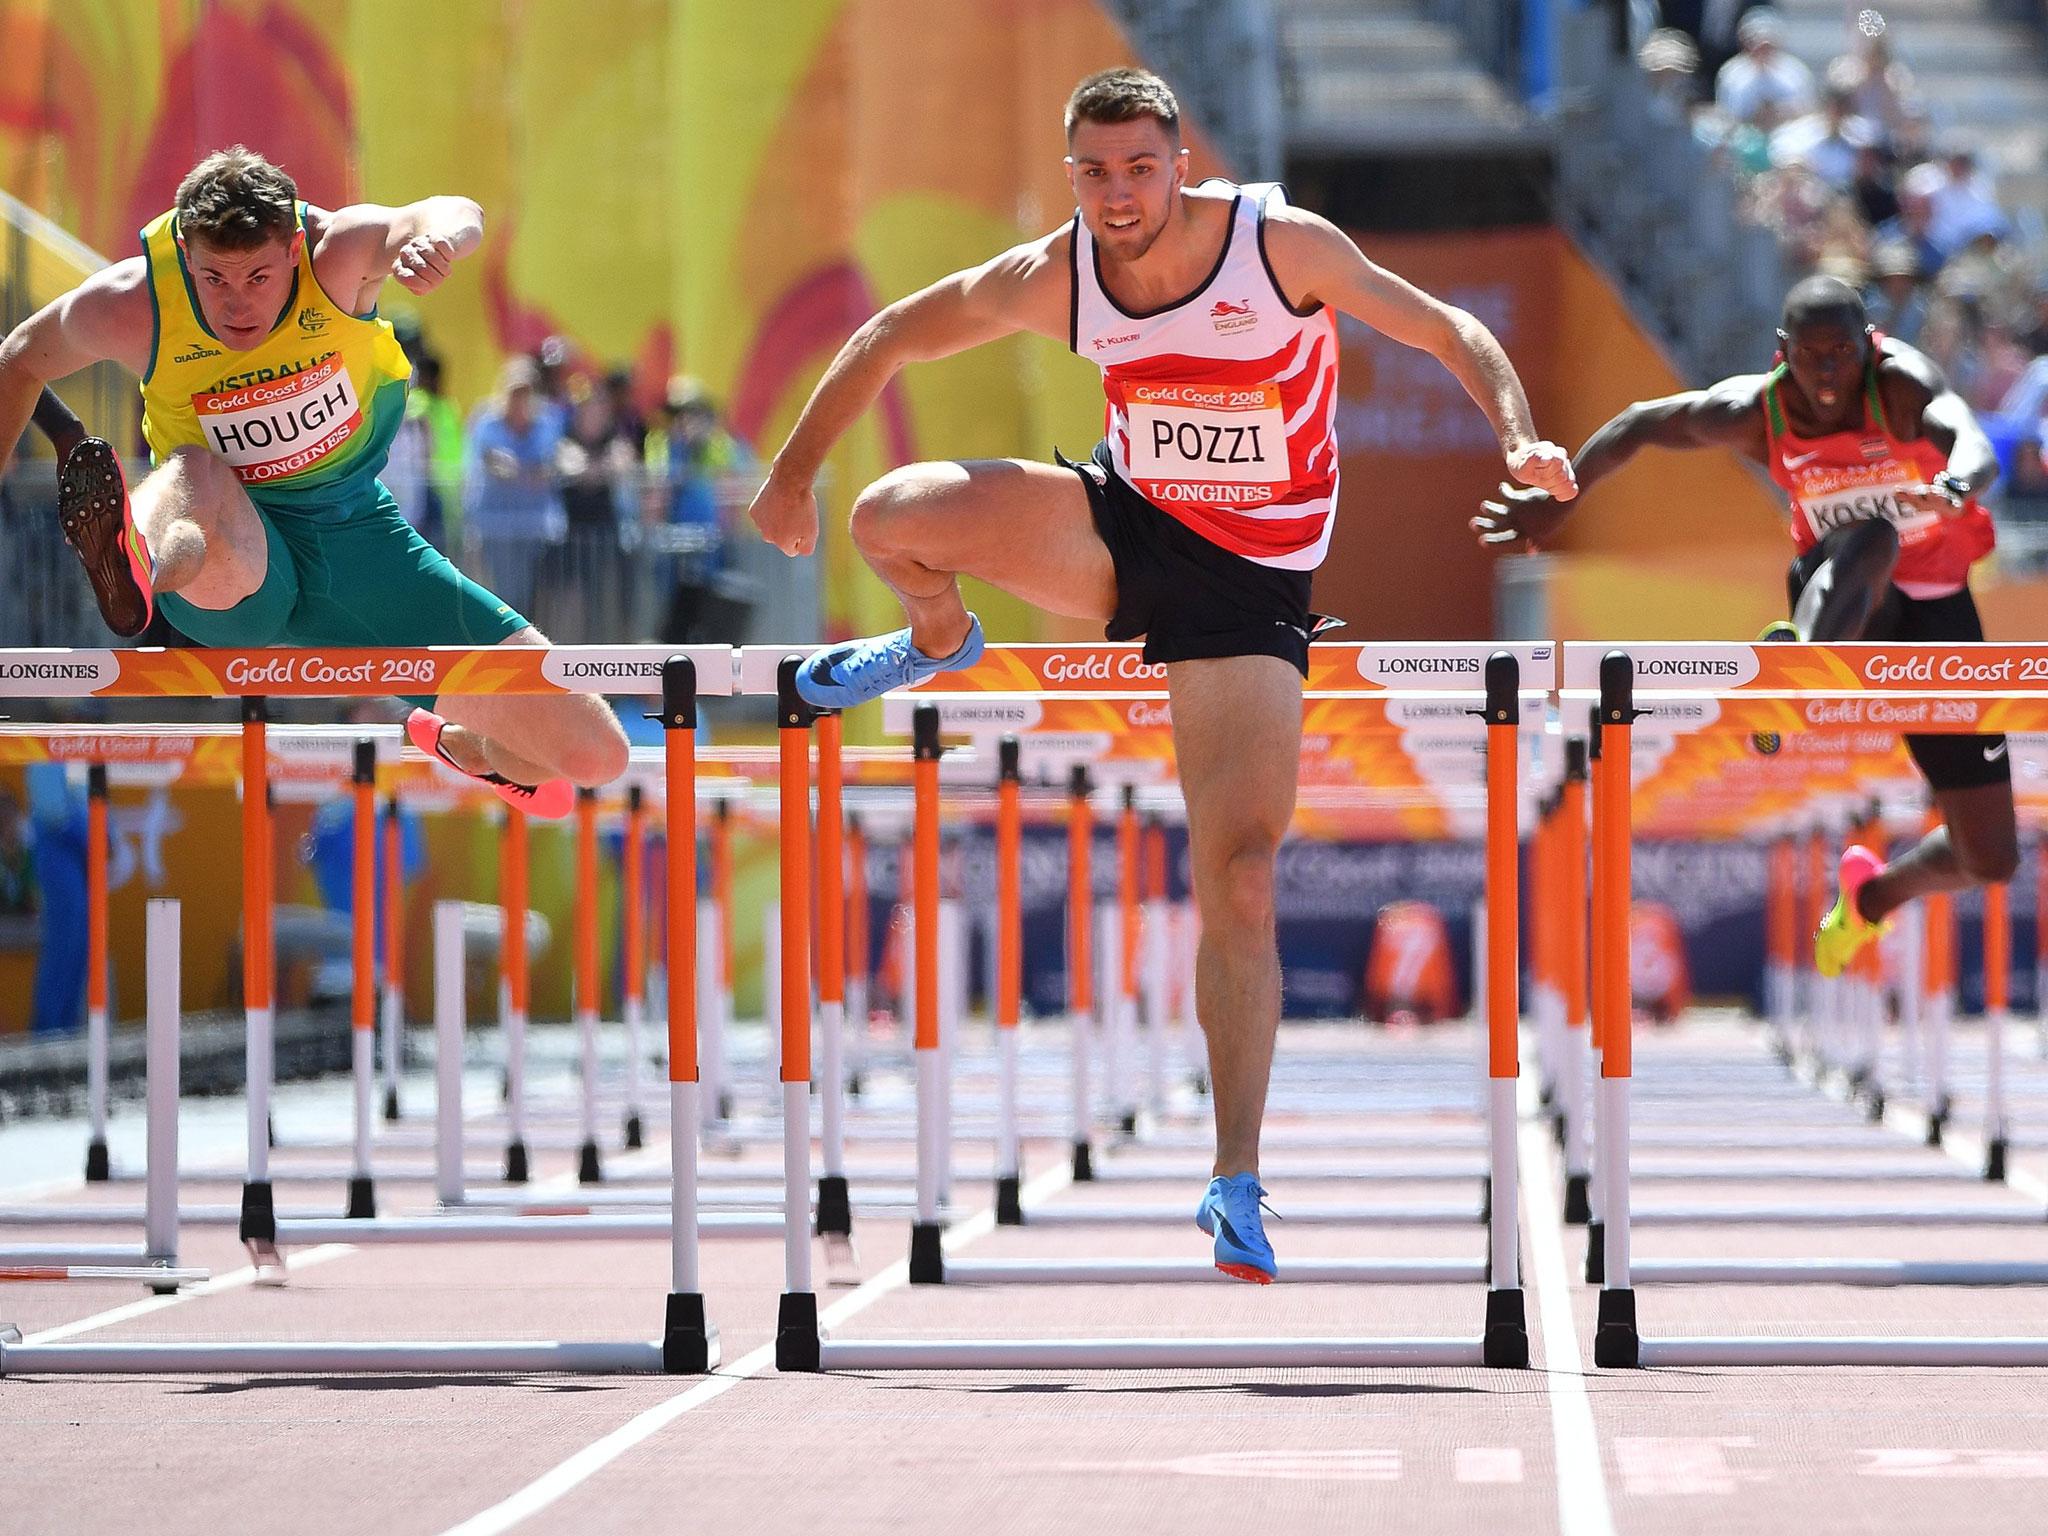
[{"x": 305, "y": 417}]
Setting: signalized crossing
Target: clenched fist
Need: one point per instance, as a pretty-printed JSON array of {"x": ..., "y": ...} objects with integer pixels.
[
  {"x": 421, "y": 263},
  {"x": 787, "y": 516}
]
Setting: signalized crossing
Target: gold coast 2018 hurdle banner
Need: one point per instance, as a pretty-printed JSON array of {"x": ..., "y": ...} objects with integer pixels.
[
  {"x": 337, "y": 672},
  {"x": 1120, "y": 671},
  {"x": 1961, "y": 688}
]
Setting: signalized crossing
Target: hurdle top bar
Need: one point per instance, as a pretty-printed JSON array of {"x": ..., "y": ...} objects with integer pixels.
[
  {"x": 1864, "y": 668},
  {"x": 352, "y": 672},
  {"x": 1106, "y": 670}
]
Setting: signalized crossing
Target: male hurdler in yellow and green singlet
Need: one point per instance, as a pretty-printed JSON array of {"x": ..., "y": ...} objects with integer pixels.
[{"x": 271, "y": 391}]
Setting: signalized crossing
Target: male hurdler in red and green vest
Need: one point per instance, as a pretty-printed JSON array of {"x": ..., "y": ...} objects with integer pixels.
[
  {"x": 1882, "y": 464},
  {"x": 270, "y": 393}
]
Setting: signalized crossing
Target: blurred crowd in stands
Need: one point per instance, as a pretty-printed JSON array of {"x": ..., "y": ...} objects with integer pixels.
[
  {"x": 564, "y": 467},
  {"x": 1859, "y": 182}
]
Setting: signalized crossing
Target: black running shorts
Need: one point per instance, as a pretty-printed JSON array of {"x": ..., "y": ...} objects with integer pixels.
[
  {"x": 1190, "y": 599},
  {"x": 1946, "y": 762}
]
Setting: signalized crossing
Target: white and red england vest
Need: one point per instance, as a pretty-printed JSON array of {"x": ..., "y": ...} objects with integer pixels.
[{"x": 1222, "y": 407}]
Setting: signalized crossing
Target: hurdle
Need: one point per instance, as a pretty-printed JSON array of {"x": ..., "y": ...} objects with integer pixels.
[
  {"x": 154, "y": 1262},
  {"x": 1340, "y": 675},
  {"x": 1779, "y": 688},
  {"x": 688, "y": 1342},
  {"x": 1503, "y": 1339}
]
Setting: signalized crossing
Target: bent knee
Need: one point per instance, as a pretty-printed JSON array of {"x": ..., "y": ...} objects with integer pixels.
[
  {"x": 1989, "y": 862},
  {"x": 594, "y": 754},
  {"x": 886, "y": 514}
]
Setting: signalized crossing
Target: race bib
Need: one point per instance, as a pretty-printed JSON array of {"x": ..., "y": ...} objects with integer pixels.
[
  {"x": 1209, "y": 434},
  {"x": 280, "y": 427},
  {"x": 1825, "y": 513}
]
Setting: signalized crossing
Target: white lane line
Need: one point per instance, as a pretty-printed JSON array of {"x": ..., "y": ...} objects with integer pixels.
[
  {"x": 1582, "y": 1504},
  {"x": 599, "y": 1454},
  {"x": 233, "y": 1280}
]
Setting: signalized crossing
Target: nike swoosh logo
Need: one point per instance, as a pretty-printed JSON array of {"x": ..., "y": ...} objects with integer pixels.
[
  {"x": 1802, "y": 460},
  {"x": 1993, "y": 754}
]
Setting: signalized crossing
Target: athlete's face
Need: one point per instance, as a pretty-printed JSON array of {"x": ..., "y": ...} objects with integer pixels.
[
  {"x": 1125, "y": 178},
  {"x": 242, "y": 293},
  {"x": 1826, "y": 359}
]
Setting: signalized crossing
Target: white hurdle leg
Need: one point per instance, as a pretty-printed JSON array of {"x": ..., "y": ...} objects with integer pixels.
[
  {"x": 165, "y": 1007},
  {"x": 449, "y": 1009},
  {"x": 712, "y": 1092},
  {"x": 1155, "y": 993},
  {"x": 1912, "y": 986},
  {"x": 771, "y": 992},
  {"x": 1114, "y": 1010},
  {"x": 952, "y": 1000}
]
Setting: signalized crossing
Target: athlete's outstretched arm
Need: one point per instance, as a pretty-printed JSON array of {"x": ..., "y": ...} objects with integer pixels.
[
  {"x": 96, "y": 322},
  {"x": 415, "y": 243},
  {"x": 1024, "y": 289},
  {"x": 1916, "y": 388},
  {"x": 1724, "y": 415},
  {"x": 1316, "y": 262}
]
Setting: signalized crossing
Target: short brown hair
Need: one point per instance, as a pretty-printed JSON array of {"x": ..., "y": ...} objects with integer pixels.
[
  {"x": 1122, "y": 95},
  {"x": 237, "y": 200}
]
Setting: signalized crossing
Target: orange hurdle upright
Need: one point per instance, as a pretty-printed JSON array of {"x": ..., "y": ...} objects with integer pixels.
[
  {"x": 927, "y": 1265},
  {"x": 1152, "y": 983},
  {"x": 1997, "y": 997},
  {"x": 98, "y": 1168},
  {"x": 1506, "y": 1339},
  {"x": 589, "y": 1170},
  {"x": 1578, "y": 1053},
  {"x": 362, "y": 1197},
  {"x": 258, "y": 1225},
  {"x": 835, "y": 1205},
  {"x": 688, "y": 1341},
  {"x": 796, "y": 1332},
  {"x": 633, "y": 916},
  {"x": 1615, "y": 1340},
  {"x": 856, "y": 951},
  {"x": 1123, "y": 1003},
  {"x": 393, "y": 1021},
  {"x": 517, "y": 978},
  {"x": 1009, "y": 974},
  {"x": 1080, "y": 961}
]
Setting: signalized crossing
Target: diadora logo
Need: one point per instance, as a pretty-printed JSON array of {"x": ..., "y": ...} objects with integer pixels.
[
  {"x": 1102, "y": 342},
  {"x": 312, "y": 321},
  {"x": 196, "y": 353},
  {"x": 1227, "y": 317}
]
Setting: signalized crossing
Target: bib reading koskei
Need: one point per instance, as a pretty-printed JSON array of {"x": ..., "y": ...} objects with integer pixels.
[{"x": 305, "y": 418}]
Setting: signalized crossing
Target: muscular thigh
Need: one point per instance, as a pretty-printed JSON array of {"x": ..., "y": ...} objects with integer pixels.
[
  {"x": 1021, "y": 527},
  {"x": 1237, "y": 735},
  {"x": 196, "y": 486},
  {"x": 539, "y": 727}
]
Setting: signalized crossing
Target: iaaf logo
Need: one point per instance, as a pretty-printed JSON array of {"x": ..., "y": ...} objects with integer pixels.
[
  {"x": 1227, "y": 317},
  {"x": 1102, "y": 667}
]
